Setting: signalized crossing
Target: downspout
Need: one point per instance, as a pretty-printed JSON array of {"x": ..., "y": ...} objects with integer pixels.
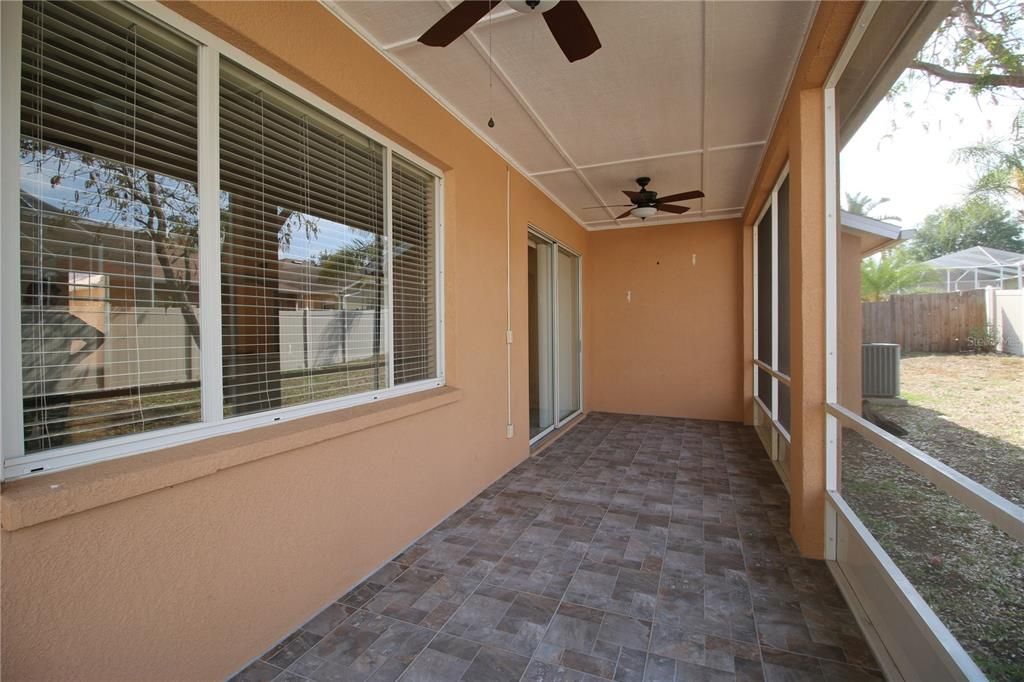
[{"x": 509, "y": 431}]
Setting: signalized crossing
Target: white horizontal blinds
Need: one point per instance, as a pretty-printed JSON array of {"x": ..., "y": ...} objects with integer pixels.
[
  {"x": 109, "y": 285},
  {"x": 414, "y": 264},
  {"x": 302, "y": 251}
]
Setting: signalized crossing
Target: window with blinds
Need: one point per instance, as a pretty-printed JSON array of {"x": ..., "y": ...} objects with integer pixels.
[
  {"x": 302, "y": 255},
  {"x": 414, "y": 262},
  {"x": 327, "y": 264},
  {"x": 109, "y": 219}
]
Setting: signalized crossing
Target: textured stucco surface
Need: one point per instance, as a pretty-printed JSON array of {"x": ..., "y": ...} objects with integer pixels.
[
  {"x": 177, "y": 583},
  {"x": 667, "y": 330}
]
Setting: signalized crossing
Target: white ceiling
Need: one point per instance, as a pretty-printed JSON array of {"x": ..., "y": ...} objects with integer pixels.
[{"x": 683, "y": 92}]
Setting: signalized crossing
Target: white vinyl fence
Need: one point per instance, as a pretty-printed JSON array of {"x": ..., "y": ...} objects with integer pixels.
[
  {"x": 152, "y": 346},
  {"x": 321, "y": 338},
  {"x": 1006, "y": 316}
]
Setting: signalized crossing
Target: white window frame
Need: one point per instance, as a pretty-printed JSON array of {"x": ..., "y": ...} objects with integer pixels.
[
  {"x": 213, "y": 423},
  {"x": 780, "y": 436}
]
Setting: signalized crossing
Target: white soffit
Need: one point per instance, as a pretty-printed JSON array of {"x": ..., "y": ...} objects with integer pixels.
[{"x": 683, "y": 92}]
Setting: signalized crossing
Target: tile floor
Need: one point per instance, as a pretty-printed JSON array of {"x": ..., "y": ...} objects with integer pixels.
[{"x": 633, "y": 549}]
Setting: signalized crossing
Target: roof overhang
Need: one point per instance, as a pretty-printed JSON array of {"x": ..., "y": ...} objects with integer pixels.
[{"x": 875, "y": 235}]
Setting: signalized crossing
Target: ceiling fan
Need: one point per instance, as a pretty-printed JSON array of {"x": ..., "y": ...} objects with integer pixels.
[
  {"x": 565, "y": 19},
  {"x": 646, "y": 202}
]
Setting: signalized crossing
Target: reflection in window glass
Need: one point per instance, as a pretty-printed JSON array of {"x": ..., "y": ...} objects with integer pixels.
[
  {"x": 302, "y": 251},
  {"x": 764, "y": 288},
  {"x": 784, "y": 407},
  {"x": 108, "y": 200},
  {"x": 764, "y": 388},
  {"x": 783, "y": 275}
]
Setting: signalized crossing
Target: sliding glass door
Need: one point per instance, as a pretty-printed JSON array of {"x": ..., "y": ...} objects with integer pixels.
[
  {"x": 554, "y": 338},
  {"x": 542, "y": 356},
  {"x": 567, "y": 331}
]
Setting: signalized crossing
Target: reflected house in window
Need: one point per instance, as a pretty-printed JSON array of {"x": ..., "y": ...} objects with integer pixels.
[{"x": 109, "y": 330}]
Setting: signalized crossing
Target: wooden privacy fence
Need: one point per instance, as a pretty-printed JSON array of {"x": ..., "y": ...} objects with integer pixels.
[{"x": 926, "y": 323}]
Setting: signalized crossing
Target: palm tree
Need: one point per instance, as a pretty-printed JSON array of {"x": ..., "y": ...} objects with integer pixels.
[
  {"x": 1000, "y": 166},
  {"x": 862, "y": 204},
  {"x": 893, "y": 272}
]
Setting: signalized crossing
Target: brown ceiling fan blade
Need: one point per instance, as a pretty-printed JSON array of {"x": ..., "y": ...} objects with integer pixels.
[
  {"x": 572, "y": 30},
  {"x": 607, "y": 206},
  {"x": 632, "y": 196},
  {"x": 459, "y": 20},
  {"x": 669, "y": 208},
  {"x": 624, "y": 215},
  {"x": 683, "y": 196}
]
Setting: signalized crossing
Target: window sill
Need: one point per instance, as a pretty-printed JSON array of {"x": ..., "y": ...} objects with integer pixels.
[{"x": 29, "y": 501}]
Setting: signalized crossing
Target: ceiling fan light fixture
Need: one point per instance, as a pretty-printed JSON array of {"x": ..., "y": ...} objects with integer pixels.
[{"x": 643, "y": 212}]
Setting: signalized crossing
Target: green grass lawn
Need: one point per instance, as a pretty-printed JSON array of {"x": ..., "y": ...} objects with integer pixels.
[{"x": 967, "y": 411}]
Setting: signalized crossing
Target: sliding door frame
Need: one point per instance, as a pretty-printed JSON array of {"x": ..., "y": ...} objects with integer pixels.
[{"x": 556, "y": 247}]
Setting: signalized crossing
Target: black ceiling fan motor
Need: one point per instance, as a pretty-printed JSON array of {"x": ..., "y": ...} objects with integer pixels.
[{"x": 645, "y": 196}]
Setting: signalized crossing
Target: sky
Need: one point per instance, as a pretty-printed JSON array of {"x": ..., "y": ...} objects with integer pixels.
[{"x": 906, "y": 154}]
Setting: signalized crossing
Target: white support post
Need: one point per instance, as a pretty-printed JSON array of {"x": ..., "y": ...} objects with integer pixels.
[
  {"x": 831, "y": 316},
  {"x": 389, "y": 265},
  {"x": 211, "y": 374}
]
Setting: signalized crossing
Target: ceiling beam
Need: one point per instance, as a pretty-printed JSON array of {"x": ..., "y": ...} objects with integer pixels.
[
  {"x": 719, "y": 214},
  {"x": 494, "y": 18},
  {"x": 654, "y": 157},
  {"x": 348, "y": 21},
  {"x": 520, "y": 99},
  {"x": 706, "y": 33}
]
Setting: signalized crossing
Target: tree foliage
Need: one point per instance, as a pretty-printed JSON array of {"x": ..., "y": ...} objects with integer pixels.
[
  {"x": 979, "y": 221},
  {"x": 980, "y": 45},
  {"x": 894, "y": 272},
  {"x": 862, "y": 204},
  {"x": 156, "y": 208},
  {"x": 999, "y": 165}
]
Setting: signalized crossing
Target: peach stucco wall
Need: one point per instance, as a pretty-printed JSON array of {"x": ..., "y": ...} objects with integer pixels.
[
  {"x": 190, "y": 581},
  {"x": 799, "y": 139},
  {"x": 666, "y": 329},
  {"x": 850, "y": 322},
  {"x": 193, "y": 580}
]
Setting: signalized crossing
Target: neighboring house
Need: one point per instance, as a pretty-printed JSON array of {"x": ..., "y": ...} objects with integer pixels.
[{"x": 977, "y": 268}]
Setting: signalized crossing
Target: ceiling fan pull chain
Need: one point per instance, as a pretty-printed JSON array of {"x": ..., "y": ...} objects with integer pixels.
[{"x": 490, "y": 69}]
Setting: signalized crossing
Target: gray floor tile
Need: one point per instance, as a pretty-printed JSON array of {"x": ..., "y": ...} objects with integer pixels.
[{"x": 634, "y": 548}]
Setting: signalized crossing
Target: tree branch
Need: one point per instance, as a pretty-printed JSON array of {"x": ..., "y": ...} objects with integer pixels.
[{"x": 990, "y": 80}]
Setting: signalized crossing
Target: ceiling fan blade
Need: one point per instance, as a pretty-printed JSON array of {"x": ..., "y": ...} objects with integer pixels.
[
  {"x": 624, "y": 215},
  {"x": 632, "y": 196},
  {"x": 607, "y": 206},
  {"x": 459, "y": 20},
  {"x": 683, "y": 196},
  {"x": 572, "y": 30},
  {"x": 669, "y": 208}
]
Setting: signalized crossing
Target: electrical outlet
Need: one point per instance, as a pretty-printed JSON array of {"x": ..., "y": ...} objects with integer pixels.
[{"x": 509, "y": 431}]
